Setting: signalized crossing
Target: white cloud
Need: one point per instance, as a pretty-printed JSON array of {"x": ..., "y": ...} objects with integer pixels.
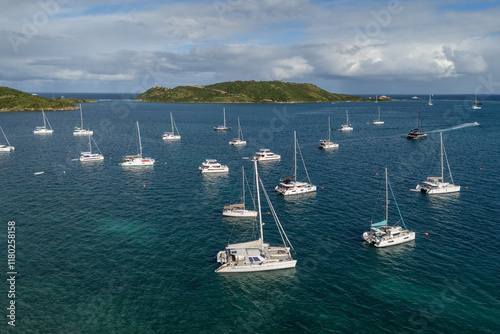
[{"x": 295, "y": 67}]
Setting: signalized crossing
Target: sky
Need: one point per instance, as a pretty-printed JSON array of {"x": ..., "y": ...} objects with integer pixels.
[{"x": 342, "y": 46}]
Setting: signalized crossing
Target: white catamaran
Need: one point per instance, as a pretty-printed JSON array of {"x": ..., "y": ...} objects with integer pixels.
[
  {"x": 79, "y": 130},
  {"x": 91, "y": 156},
  {"x": 137, "y": 160},
  {"x": 382, "y": 234},
  {"x": 8, "y": 147},
  {"x": 256, "y": 255},
  {"x": 436, "y": 184},
  {"x": 44, "y": 130},
  {"x": 222, "y": 127},
  {"x": 289, "y": 185},
  {"x": 378, "y": 121},
  {"x": 238, "y": 141},
  {"x": 171, "y": 135},
  {"x": 326, "y": 144},
  {"x": 346, "y": 127},
  {"x": 239, "y": 210}
]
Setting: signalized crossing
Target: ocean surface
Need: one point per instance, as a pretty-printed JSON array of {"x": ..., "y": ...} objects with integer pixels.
[{"x": 105, "y": 249}]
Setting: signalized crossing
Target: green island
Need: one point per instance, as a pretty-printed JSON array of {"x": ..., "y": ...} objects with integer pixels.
[
  {"x": 245, "y": 92},
  {"x": 16, "y": 100}
]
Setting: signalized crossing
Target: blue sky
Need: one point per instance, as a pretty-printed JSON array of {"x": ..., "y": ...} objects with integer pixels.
[{"x": 354, "y": 47}]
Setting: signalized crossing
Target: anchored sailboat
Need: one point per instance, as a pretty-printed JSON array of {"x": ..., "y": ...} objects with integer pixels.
[
  {"x": 222, "y": 127},
  {"x": 436, "y": 184},
  {"x": 416, "y": 133},
  {"x": 378, "y": 121},
  {"x": 326, "y": 144},
  {"x": 289, "y": 185},
  {"x": 89, "y": 156},
  {"x": 238, "y": 141},
  {"x": 137, "y": 160},
  {"x": 239, "y": 210},
  {"x": 430, "y": 101},
  {"x": 347, "y": 126},
  {"x": 476, "y": 105},
  {"x": 256, "y": 255},
  {"x": 44, "y": 130},
  {"x": 8, "y": 147},
  {"x": 381, "y": 234},
  {"x": 171, "y": 135},
  {"x": 79, "y": 130}
]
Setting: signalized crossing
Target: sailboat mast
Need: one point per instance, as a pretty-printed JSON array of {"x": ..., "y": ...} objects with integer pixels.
[
  {"x": 329, "y": 130},
  {"x": 172, "y": 122},
  {"x": 140, "y": 143},
  {"x": 258, "y": 201},
  {"x": 43, "y": 115},
  {"x": 224, "y": 111},
  {"x": 379, "y": 113},
  {"x": 347, "y": 116},
  {"x": 81, "y": 117},
  {"x": 243, "y": 176},
  {"x": 295, "y": 154},
  {"x": 418, "y": 118},
  {"x": 442, "y": 162},
  {"x": 386, "y": 198},
  {"x": 90, "y": 145},
  {"x": 239, "y": 130}
]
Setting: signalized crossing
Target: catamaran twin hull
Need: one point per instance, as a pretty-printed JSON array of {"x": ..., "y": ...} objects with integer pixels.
[
  {"x": 295, "y": 189},
  {"x": 255, "y": 259},
  {"x": 441, "y": 188},
  {"x": 389, "y": 240},
  {"x": 43, "y": 131}
]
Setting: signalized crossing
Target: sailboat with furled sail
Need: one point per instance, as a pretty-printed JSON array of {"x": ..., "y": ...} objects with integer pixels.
[
  {"x": 79, "y": 130},
  {"x": 239, "y": 210},
  {"x": 416, "y": 133},
  {"x": 238, "y": 141},
  {"x": 256, "y": 255},
  {"x": 326, "y": 144},
  {"x": 171, "y": 135},
  {"x": 137, "y": 160},
  {"x": 44, "y": 130},
  {"x": 222, "y": 127}
]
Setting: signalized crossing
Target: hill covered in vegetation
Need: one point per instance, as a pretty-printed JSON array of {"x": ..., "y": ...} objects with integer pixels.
[
  {"x": 16, "y": 100},
  {"x": 245, "y": 92}
]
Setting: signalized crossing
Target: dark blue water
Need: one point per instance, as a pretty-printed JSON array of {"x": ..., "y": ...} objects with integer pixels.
[{"x": 102, "y": 249}]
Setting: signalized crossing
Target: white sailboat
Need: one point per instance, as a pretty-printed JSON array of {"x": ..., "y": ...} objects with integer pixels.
[
  {"x": 137, "y": 160},
  {"x": 3, "y": 147},
  {"x": 436, "y": 184},
  {"x": 382, "y": 234},
  {"x": 222, "y": 127},
  {"x": 238, "y": 141},
  {"x": 378, "y": 121},
  {"x": 327, "y": 144},
  {"x": 239, "y": 210},
  {"x": 91, "y": 156},
  {"x": 346, "y": 127},
  {"x": 290, "y": 185},
  {"x": 79, "y": 130},
  {"x": 256, "y": 255},
  {"x": 171, "y": 135},
  {"x": 476, "y": 105},
  {"x": 44, "y": 130},
  {"x": 430, "y": 101}
]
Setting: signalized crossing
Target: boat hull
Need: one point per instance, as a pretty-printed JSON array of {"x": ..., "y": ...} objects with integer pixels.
[
  {"x": 264, "y": 266},
  {"x": 138, "y": 163},
  {"x": 171, "y": 137},
  {"x": 239, "y": 213},
  {"x": 296, "y": 190},
  {"x": 43, "y": 132},
  {"x": 386, "y": 241}
]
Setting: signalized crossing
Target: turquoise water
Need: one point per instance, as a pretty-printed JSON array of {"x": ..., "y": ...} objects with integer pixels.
[{"x": 103, "y": 249}]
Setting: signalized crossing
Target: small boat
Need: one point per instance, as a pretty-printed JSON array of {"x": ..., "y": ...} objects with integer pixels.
[
  {"x": 137, "y": 160},
  {"x": 327, "y": 144},
  {"x": 79, "y": 130},
  {"x": 256, "y": 255},
  {"x": 44, "y": 130},
  {"x": 476, "y": 105},
  {"x": 171, "y": 135},
  {"x": 38, "y": 173},
  {"x": 378, "y": 121},
  {"x": 436, "y": 184},
  {"x": 266, "y": 155},
  {"x": 346, "y": 127},
  {"x": 8, "y": 147},
  {"x": 382, "y": 234},
  {"x": 90, "y": 156},
  {"x": 289, "y": 185},
  {"x": 212, "y": 166},
  {"x": 430, "y": 101},
  {"x": 416, "y": 133},
  {"x": 222, "y": 127},
  {"x": 238, "y": 141},
  {"x": 239, "y": 210}
]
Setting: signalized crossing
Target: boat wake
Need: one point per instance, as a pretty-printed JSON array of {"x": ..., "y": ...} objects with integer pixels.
[{"x": 461, "y": 126}]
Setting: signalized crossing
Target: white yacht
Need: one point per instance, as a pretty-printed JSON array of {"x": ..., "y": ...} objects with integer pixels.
[
  {"x": 222, "y": 127},
  {"x": 44, "y": 130},
  {"x": 256, "y": 255},
  {"x": 79, "y": 130},
  {"x": 289, "y": 185},
  {"x": 382, "y": 234},
  {"x": 3, "y": 147},
  {"x": 430, "y": 101},
  {"x": 346, "y": 127},
  {"x": 378, "y": 121},
  {"x": 239, "y": 210},
  {"x": 137, "y": 160},
  {"x": 416, "y": 133},
  {"x": 212, "y": 166},
  {"x": 91, "y": 156},
  {"x": 476, "y": 105},
  {"x": 266, "y": 155},
  {"x": 238, "y": 141},
  {"x": 171, "y": 135},
  {"x": 436, "y": 184},
  {"x": 327, "y": 144}
]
